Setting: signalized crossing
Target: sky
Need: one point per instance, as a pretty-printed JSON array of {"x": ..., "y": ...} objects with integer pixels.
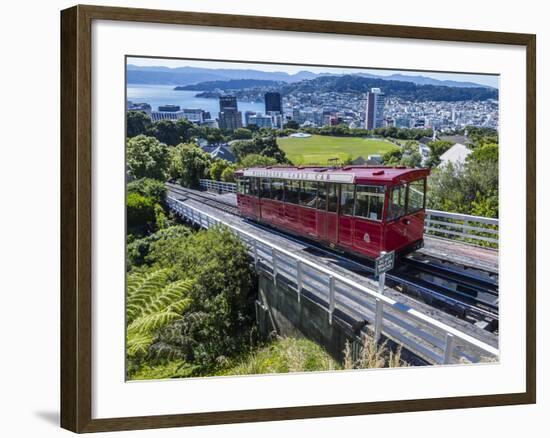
[{"x": 482, "y": 79}]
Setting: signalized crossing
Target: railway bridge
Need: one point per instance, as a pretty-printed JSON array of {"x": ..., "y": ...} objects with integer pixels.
[{"x": 308, "y": 290}]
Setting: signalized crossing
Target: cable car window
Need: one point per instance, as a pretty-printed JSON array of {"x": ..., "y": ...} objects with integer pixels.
[
  {"x": 397, "y": 202},
  {"x": 347, "y": 199},
  {"x": 332, "y": 198},
  {"x": 277, "y": 189},
  {"x": 369, "y": 202},
  {"x": 322, "y": 196},
  {"x": 308, "y": 194},
  {"x": 254, "y": 186},
  {"x": 265, "y": 190},
  {"x": 292, "y": 191},
  {"x": 417, "y": 195},
  {"x": 240, "y": 186}
]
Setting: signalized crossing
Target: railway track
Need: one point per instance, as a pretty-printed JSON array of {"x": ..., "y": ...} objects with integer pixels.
[{"x": 469, "y": 294}]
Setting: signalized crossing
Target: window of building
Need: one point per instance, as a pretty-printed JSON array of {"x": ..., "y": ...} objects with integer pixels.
[
  {"x": 277, "y": 189},
  {"x": 265, "y": 188},
  {"x": 369, "y": 202},
  {"x": 292, "y": 191},
  {"x": 417, "y": 195},
  {"x": 322, "y": 196},
  {"x": 347, "y": 198},
  {"x": 397, "y": 202},
  {"x": 332, "y": 198},
  {"x": 308, "y": 194}
]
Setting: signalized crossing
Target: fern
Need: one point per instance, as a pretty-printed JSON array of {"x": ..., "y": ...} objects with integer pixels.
[{"x": 152, "y": 304}]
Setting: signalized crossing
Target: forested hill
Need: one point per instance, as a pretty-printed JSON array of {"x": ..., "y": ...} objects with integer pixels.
[
  {"x": 233, "y": 84},
  {"x": 401, "y": 89}
]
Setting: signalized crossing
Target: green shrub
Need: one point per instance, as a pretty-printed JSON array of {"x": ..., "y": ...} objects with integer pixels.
[
  {"x": 148, "y": 187},
  {"x": 140, "y": 213},
  {"x": 219, "y": 322}
]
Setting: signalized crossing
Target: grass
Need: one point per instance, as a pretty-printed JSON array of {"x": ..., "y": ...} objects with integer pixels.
[
  {"x": 284, "y": 355},
  {"x": 318, "y": 149}
]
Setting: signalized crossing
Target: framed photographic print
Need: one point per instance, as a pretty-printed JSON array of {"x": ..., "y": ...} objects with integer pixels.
[{"x": 270, "y": 218}]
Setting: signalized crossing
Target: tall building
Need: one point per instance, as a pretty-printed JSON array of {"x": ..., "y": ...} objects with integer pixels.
[
  {"x": 228, "y": 103},
  {"x": 230, "y": 118},
  {"x": 374, "y": 113},
  {"x": 273, "y": 102}
]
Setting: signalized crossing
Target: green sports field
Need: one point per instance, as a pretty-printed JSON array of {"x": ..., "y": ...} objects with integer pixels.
[{"x": 318, "y": 149}]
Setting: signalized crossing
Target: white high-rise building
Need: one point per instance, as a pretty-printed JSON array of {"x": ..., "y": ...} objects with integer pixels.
[{"x": 374, "y": 113}]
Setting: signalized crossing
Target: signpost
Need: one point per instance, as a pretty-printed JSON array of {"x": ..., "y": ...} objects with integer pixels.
[{"x": 383, "y": 264}]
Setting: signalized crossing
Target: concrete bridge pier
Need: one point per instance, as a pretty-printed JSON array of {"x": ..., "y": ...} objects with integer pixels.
[{"x": 279, "y": 311}]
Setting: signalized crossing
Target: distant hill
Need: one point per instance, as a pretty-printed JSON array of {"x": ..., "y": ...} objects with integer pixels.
[
  {"x": 232, "y": 84},
  {"x": 425, "y": 80},
  {"x": 181, "y": 76},
  {"x": 401, "y": 89},
  {"x": 357, "y": 84},
  {"x": 191, "y": 75}
]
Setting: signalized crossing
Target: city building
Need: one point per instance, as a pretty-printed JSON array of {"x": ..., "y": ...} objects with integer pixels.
[
  {"x": 457, "y": 154},
  {"x": 261, "y": 121},
  {"x": 247, "y": 116},
  {"x": 143, "y": 107},
  {"x": 171, "y": 113},
  {"x": 273, "y": 102},
  {"x": 169, "y": 108},
  {"x": 228, "y": 103},
  {"x": 374, "y": 113},
  {"x": 230, "y": 118}
]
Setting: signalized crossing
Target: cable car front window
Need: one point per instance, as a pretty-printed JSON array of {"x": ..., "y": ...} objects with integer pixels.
[
  {"x": 397, "y": 202},
  {"x": 417, "y": 196},
  {"x": 369, "y": 202}
]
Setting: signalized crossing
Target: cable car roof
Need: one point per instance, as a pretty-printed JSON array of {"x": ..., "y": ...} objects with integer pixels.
[{"x": 346, "y": 174}]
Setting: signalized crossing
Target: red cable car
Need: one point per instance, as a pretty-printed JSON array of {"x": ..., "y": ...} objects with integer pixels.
[{"x": 357, "y": 209}]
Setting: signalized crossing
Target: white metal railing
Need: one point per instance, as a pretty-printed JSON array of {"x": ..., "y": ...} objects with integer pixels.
[
  {"x": 474, "y": 229},
  {"x": 218, "y": 186},
  {"x": 435, "y": 341},
  {"x": 462, "y": 226}
]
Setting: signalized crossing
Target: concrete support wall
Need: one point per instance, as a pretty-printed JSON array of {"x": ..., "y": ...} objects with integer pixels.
[{"x": 278, "y": 310}]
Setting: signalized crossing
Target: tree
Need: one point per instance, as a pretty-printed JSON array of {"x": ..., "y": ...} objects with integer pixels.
[
  {"x": 140, "y": 213},
  {"x": 407, "y": 156},
  {"x": 291, "y": 124},
  {"x": 486, "y": 153},
  {"x": 242, "y": 134},
  {"x": 217, "y": 168},
  {"x": 220, "y": 319},
  {"x": 228, "y": 174},
  {"x": 266, "y": 146},
  {"x": 137, "y": 122},
  {"x": 148, "y": 187},
  {"x": 166, "y": 131},
  {"x": 189, "y": 164},
  {"x": 257, "y": 160},
  {"x": 437, "y": 148},
  {"x": 146, "y": 157}
]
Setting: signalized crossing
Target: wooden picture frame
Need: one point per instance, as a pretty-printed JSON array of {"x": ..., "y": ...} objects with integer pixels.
[{"x": 76, "y": 217}]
